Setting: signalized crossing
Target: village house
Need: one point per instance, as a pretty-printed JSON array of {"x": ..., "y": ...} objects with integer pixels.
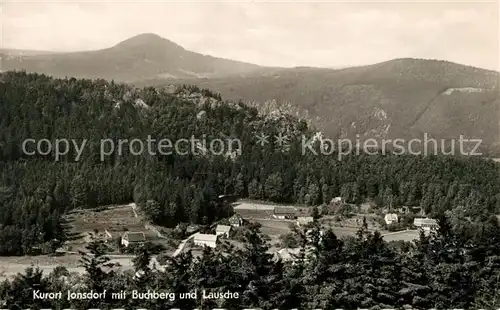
[
  {"x": 304, "y": 220},
  {"x": 426, "y": 224},
  {"x": 205, "y": 240},
  {"x": 129, "y": 238},
  {"x": 223, "y": 230},
  {"x": 236, "y": 220},
  {"x": 284, "y": 213},
  {"x": 391, "y": 218}
]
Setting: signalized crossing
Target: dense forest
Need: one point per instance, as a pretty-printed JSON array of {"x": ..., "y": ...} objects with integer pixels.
[
  {"x": 36, "y": 190},
  {"x": 456, "y": 268}
]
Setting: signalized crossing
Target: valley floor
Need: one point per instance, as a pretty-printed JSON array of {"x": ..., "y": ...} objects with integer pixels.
[{"x": 260, "y": 212}]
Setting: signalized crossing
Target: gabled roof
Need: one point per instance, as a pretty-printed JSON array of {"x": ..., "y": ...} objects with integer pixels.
[
  {"x": 223, "y": 228},
  {"x": 134, "y": 236},
  {"x": 205, "y": 237},
  {"x": 284, "y": 210}
]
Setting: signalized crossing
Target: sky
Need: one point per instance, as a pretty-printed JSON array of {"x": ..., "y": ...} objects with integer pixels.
[{"x": 288, "y": 34}]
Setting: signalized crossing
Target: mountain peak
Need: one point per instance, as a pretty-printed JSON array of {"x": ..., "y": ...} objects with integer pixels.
[
  {"x": 145, "y": 36},
  {"x": 147, "y": 40}
]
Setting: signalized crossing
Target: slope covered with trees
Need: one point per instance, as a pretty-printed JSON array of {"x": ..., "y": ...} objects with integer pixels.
[
  {"x": 35, "y": 190},
  {"x": 400, "y": 98}
]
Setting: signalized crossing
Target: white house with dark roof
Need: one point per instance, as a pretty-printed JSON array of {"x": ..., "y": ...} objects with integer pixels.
[
  {"x": 223, "y": 230},
  {"x": 205, "y": 240},
  {"x": 284, "y": 212},
  {"x": 129, "y": 238}
]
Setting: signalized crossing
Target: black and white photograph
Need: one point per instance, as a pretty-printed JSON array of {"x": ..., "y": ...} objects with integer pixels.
[{"x": 241, "y": 155}]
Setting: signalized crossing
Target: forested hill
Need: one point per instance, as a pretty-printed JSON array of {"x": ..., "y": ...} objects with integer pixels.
[
  {"x": 35, "y": 190},
  {"x": 400, "y": 98}
]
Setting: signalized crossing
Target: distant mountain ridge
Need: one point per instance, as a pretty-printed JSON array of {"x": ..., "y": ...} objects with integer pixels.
[
  {"x": 140, "y": 57},
  {"x": 12, "y": 52},
  {"x": 398, "y": 99},
  {"x": 401, "y": 98}
]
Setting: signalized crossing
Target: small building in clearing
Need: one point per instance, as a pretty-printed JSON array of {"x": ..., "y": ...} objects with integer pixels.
[
  {"x": 129, "y": 238},
  {"x": 284, "y": 212},
  {"x": 236, "y": 220},
  {"x": 426, "y": 224},
  {"x": 223, "y": 230},
  {"x": 205, "y": 240},
  {"x": 391, "y": 218},
  {"x": 304, "y": 220}
]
